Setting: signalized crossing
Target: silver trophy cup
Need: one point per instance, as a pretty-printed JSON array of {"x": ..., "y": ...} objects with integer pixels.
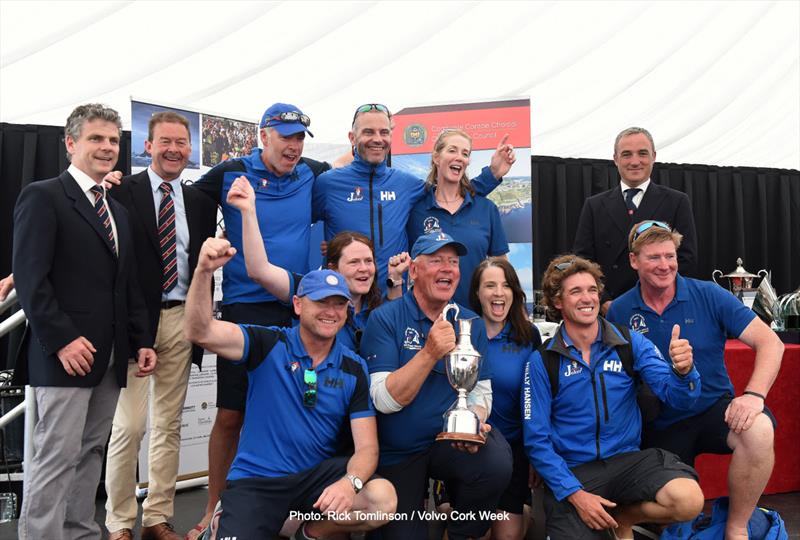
[{"x": 463, "y": 367}]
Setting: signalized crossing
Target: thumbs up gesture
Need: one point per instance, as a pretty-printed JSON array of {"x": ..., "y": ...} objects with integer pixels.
[{"x": 680, "y": 352}]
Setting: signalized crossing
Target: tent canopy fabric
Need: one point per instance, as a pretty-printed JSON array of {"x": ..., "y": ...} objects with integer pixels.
[{"x": 715, "y": 82}]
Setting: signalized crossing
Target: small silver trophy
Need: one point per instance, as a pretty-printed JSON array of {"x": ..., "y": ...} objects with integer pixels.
[
  {"x": 740, "y": 283},
  {"x": 463, "y": 367}
]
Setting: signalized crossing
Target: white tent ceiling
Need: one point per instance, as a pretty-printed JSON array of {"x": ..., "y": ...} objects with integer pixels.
[{"x": 715, "y": 82}]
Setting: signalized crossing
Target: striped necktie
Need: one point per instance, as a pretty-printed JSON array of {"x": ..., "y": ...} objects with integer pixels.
[
  {"x": 166, "y": 238},
  {"x": 103, "y": 215}
]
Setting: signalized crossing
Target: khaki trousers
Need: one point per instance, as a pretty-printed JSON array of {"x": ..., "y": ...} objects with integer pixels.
[{"x": 165, "y": 391}]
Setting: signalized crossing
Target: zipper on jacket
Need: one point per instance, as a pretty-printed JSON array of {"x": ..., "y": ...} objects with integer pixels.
[
  {"x": 596, "y": 417},
  {"x": 371, "y": 208},
  {"x": 605, "y": 397},
  {"x": 380, "y": 223}
]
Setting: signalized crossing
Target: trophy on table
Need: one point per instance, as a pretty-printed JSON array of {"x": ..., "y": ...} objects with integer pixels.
[
  {"x": 766, "y": 305},
  {"x": 740, "y": 283},
  {"x": 462, "y": 365}
]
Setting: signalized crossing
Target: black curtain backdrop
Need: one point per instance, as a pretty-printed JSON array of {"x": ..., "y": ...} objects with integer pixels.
[
  {"x": 744, "y": 212},
  {"x": 28, "y": 153},
  {"x": 752, "y": 213}
]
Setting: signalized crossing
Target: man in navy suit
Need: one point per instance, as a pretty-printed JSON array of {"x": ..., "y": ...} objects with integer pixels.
[
  {"x": 607, "y": 217},
  {"x": 73, "y": 267},
  {"x": 169, "y": 223}
]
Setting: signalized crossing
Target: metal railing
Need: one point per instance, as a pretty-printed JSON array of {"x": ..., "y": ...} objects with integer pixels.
[{"x": 28, "y": 405}]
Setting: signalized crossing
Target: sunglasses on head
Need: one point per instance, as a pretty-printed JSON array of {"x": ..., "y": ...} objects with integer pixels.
[
  {"x": 291, "y": 117},
  {"x": 310, "y": 395},
  {"x": 646, "y": 225},
  {"x": 367, "y": 107},
  {"x": 564, "y": 265}
]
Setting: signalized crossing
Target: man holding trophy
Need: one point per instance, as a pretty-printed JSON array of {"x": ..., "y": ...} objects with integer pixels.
[
  {"x": 416, "y": 369},
  {"x": 718, "y": 422}
]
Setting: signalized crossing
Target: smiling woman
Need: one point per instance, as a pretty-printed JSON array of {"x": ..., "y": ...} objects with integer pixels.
[{"x": 452, "y": 206}]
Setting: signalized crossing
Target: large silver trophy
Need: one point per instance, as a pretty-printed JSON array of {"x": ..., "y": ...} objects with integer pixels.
[{"x": 463, "y": 367}]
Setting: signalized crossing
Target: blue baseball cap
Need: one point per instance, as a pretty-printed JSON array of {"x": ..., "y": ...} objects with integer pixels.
[
  {"x": 285, "y": 119},
  {"x": 321, "y": 284},
  {"x": 433, "y": 242}
]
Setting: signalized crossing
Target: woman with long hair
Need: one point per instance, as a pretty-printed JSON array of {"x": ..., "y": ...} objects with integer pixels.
[
  {"x": 496, "y": 295},
  {"x": 451, "y": 205}
]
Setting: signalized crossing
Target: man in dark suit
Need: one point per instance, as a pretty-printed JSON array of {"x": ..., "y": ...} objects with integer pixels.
[
  {"x": 169, "y": 223},
  {"x": 73, "y": 266},
  {"x": 607, "y": 217}
]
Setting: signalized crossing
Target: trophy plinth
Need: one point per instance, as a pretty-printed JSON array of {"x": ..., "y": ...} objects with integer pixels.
[{"x": 463, "y": 367}]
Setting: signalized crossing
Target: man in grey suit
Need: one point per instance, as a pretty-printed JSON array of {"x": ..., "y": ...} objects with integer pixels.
[
  {"x": 73, "y": 267},
  {"x": 607, "y": 217}
]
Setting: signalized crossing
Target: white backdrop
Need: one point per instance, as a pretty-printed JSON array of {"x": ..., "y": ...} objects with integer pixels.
[{"x": 716, "y": 82}]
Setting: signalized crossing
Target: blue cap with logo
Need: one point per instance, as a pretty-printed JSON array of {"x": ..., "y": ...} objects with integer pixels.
[
  {"x": 286, "y": 119},
  {"x": 321, "y": 284},
  {"x": 433, "y": 242}
]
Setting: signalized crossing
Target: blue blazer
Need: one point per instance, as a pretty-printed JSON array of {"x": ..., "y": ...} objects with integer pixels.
[{"x": 71, "y": 283}]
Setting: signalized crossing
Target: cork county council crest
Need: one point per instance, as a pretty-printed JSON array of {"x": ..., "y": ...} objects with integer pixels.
[{"x": 415, "y": 135}]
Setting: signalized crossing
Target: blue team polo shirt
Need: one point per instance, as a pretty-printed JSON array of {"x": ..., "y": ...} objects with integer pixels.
[
  {"x": 476, "y": 224},
  {"x": 507, "y": 360},
  {"x": 280, "y": 435},
  {"x": 395, "y": 333},
  {"x": 283, "y": 207},
  {"x": 707, "y": 315}
]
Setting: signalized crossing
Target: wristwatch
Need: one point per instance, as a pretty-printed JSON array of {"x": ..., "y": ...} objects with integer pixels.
[
  {"x": 391, "y": 283},
  {"x": 356, "y": 482}
]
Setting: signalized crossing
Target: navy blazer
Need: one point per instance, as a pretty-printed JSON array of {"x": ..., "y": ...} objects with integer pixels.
[
  {"x": 603, "y": 228},
  {"x": 71, "y": 283},
  {"x": 136, "y": 194}
]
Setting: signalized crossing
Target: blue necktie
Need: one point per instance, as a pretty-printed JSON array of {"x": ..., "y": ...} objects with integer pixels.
[{"x": 629, "y": 195}]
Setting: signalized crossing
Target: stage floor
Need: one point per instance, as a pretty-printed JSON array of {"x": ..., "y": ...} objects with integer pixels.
[{"x": 190, "y": 503}]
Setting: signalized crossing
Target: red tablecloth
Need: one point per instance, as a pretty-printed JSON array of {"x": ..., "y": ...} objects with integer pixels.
[{"x": 784, "y": 402}]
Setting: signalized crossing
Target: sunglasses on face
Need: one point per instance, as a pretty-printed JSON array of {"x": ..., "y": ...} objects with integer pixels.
[
  {"x": 291, "y": 117},
  {"x": 310, "y": 395},
  {"x": 646, "y": 225},
  {"x": 367, "y": 107}
]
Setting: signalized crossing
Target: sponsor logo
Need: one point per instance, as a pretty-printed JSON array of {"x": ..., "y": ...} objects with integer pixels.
[
  {"x": 638, "y": 324},
  {"x": 612, "y": 365},
  {"x": 334, "y": 383},
  {"x": 415, "y": 135},
  {"x": 526, "y": 392},
  {"x": 411, "y": 339},
  {"x": 430, "y": 224},
  {"x": 294, "y": 366},
  {"x": 263, "y": 183},
  {"x": 573, "y": 369},
  {"x": 388, "y": 196},
  {"x": 356, "y": 195}
]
